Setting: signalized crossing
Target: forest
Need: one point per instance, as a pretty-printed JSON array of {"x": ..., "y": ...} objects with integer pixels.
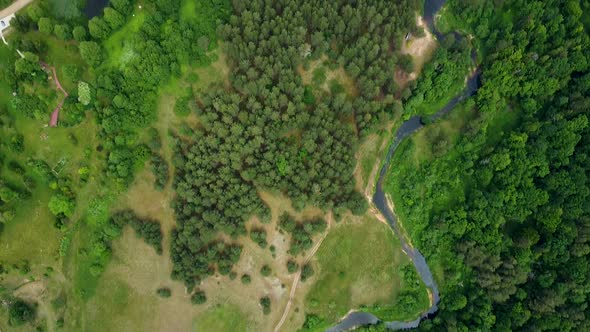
[
  {"x": 227, "y": 137},
  {"x": 503, "y": 207},
  {"x": 266, "y": 134}
]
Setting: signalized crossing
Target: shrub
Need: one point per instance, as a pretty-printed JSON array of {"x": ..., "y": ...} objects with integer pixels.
[
  {"x": 198, "y": 297},
  {"x": 21, "y": 312},
  {"x": 265, "y": 303},
  {"x": 246, "y": 279},
  {"x": 265, "y": 270},
  {"x": 306, "y": 272},
  {"x": 292, "y": 266},
  {"x": 84, "y": 96},
  {"x": 164, "y": 292}
]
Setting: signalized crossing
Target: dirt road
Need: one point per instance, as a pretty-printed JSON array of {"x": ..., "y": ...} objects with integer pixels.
[
  {"x": 298, "y": 275},
  {"x": 15, "y": 7}
]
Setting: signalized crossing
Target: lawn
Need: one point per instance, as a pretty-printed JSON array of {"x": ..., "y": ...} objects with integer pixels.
[
  {"x": 358, "y": 264},
  {"x": 31, "y": 236},
  {"x": 117, "y": 307},
  {"x": 223, "y": 318}
]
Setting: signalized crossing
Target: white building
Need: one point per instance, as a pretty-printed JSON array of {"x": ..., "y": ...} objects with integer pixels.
[{"x": 5, "y": 22}]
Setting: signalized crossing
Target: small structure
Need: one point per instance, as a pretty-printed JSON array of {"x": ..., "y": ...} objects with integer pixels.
[
  {"x": 408, "y": 36},
  {"x": 5, "y": 22}
]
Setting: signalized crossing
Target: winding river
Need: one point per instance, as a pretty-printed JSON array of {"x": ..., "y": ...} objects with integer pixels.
[{"x": 356, "y": 319}]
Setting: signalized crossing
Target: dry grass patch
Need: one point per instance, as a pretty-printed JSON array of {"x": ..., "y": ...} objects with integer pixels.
[{"x": 420, "y": 49}]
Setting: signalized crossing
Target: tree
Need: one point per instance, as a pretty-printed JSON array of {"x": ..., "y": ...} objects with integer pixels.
[
  {"x": 265, "y": 270},
  {"x": 61, "y": 204},
  {"x": 198, "y": 297},
  {"x": 246, "y": 279},
  {"x": 98, "y": 28},
  {"x": 122, "y": 6},
  {"x": 62, "y": 31},
  {"x": 80, "y": 33},
  {"x": 292, "y": 266},
  {"x": 84, "y": 96},
  {"x": 164, "y": 292},
  {"x": 265, "y": 303},
  {"x": 306, "y": 272},
  {"x": 113, "y": 18},
  {"x": 45, "y": 25},
  {"x": 20, "y": 313},
  {"x": 22, "y": 23},
  {"x": 91, "y": 52},
  {"x": 27, "y": 66}
]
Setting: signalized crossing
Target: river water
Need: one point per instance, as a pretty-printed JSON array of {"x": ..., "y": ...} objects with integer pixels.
[
  {"x": 94, "y": 7},
  {"x": 355, "y": 319}
]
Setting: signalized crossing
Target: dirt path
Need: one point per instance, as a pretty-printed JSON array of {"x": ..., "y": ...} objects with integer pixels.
[
  {"x": 298, "y": 275},
  {"x": 55, "y": 114},
  {"x": 15, "y": 7}
]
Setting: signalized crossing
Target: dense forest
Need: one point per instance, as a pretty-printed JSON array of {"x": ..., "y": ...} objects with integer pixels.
[
  {"x": 271, "y": 131},
  {"x": 504, "y": 208}
]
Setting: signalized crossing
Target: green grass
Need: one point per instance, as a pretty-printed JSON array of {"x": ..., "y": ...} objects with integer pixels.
[
  {"x": 31, "y": 235},
  {"x": 223, "y": 318},
  {"x": 357, "y": 265},
  {"x": 117, "y": 307},
  {"x": 118, "y": 45}
]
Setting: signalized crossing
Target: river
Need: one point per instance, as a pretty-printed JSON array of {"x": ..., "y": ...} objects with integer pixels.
[
  {"x": 356, "y": 319},
  {"x": 94, "y": 7}
]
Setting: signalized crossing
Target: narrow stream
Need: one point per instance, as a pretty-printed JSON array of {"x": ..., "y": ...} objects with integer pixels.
[{"x": 355, "y": 319}]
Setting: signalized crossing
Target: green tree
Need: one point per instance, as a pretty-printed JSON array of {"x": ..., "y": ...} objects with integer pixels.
[
  {"x": 306, "y": 272},
  {"x": 60, "y": 203},
  {"x": 98, "y": 28},
  {"x": 164, "y": 292},
  {"x": 265, "y": 303},
  {"x": 92, "y": 53},
  {"x": 113, "y": 18},
  {"x": 45, "y": 25},
  {"x": 198, "y": 297},
  {"x": 265, "y": 270},
  {"x": 80, "y": 33},
  {"x": 84, "y": 95},
  {"x": 20, "y": 313},
  {"x": 62, "y": 31}
]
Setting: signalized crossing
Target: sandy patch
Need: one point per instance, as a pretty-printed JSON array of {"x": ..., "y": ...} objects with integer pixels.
[{"x": 420, "y": 49}]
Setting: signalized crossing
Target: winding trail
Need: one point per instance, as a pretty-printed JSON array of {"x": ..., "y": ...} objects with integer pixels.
[
  {"x": 298, "y": 275},
  {"x": 55, "y": 114}
]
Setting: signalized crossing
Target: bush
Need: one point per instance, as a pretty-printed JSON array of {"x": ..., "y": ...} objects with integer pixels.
[
  {"x": 246, "y": 279},
  {"x": 306, "y": 272},
  {"x": 84, "y": 93},
  {"x": 265, "y": 270},
  {"x": 292, "y": 266},
  {"x": 182, "y": 107},
  {"x": 20, "y": 313},
  {"x": 259, "y": 236},
  {"x": 265, "y": 303},
  {"x": 80, "y": 33},
  {"x": 164, "y": 292},
  {"x": 199, "y": 297}
]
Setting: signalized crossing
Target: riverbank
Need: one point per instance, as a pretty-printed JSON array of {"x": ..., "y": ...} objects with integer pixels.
[{"x": 385, "y": 205}]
